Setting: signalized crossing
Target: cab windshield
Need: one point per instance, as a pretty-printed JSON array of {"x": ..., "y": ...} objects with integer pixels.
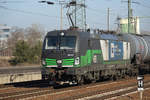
[{"x": 56, "y": 42}]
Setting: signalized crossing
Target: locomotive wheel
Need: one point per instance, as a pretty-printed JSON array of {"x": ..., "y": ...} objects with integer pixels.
[
  {"x": 101, "y": 78},
  {"x": 123, "y": 75},
  {"x": 80, "y": 80},
  {"x": 43, "y": 77},
  {"x": 114, "y": 78}
]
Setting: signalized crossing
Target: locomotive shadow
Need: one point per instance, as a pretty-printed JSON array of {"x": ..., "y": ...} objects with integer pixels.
[{"x": 31, "y": 84}]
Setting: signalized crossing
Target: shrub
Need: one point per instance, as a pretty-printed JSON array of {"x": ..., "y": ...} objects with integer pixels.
[{"x": 24, "y": 53}]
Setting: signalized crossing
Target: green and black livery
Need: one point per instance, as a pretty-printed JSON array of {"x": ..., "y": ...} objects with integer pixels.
[{"x": 75, "y": 56}]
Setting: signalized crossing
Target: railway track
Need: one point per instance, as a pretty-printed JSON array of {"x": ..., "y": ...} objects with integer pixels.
[
  {"x": 2, "y": 87},
  {"x": 24, "y": 94},
  {"x": 112, "y": 93},
  {"x": 20, "y": 93},
  {"x": 20, "y": 88},
  {"x": 95, "y": 91}
]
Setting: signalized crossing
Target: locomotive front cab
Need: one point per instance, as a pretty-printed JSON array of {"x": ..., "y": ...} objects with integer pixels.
[{"x": 60, "y": 52}]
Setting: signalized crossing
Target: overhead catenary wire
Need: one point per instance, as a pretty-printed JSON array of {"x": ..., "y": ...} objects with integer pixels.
[
  {"x": 99, "y": 11},
  {"x": 92, "y": 11},
  {"x": 19, "y": 1},
  {"x": 28, "y": 12},
  {"x": 146, "y": 22}
]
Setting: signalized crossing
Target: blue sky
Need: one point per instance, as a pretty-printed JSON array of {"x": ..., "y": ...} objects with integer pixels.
[{"x": 23, "y": 13}]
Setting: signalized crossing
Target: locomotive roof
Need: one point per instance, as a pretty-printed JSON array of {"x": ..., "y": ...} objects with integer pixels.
[
  {"x": 81, "y": 34},
  {"x": 109, "y": 36},
  {"x": 69, "y": 33}
]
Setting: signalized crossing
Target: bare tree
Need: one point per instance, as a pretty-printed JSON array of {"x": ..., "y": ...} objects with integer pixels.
[
  {"x": 34, "y": 34},
  {"x": 16, "y": 35}
]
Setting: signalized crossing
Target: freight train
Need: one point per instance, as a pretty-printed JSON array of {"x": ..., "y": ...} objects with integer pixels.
[{"x": 75, "y": 57}]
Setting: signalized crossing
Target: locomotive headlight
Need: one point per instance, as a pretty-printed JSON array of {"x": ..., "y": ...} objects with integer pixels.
[
  {"x": 77, "y": 61},
  {"x": 43, "y": 62},
  {"x": 62, "y": 34},
  {"x": 59, "y": 61}
]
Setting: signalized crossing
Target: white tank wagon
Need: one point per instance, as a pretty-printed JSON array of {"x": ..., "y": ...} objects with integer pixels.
[{"x": 140, "y": 44}]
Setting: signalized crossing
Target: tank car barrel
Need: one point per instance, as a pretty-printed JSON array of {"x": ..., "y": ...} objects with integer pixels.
[{"x": 140, "y": 45}]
